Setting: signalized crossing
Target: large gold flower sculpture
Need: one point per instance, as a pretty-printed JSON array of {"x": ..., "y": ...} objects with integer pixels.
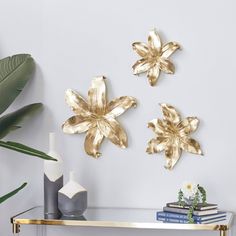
[
  {"x": 97, "y": 117},
  {"x": 173, "y": 135},
  {"x": 154, "y": 57}
]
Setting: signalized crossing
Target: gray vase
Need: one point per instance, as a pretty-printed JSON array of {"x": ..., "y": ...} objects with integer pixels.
[
  {"x": 72, "y": 199},
  {"x": 53, "y": 181},
  {"x": 51, "y": 188}
]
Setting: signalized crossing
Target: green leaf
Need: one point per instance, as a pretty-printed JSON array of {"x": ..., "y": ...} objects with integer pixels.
[
  {"x": 203, "y": 194},
  {"x": 12, "y": 193},
  {"x": 10, "y": 121},
  {"x": 18, "y": 147},
  {"x": 15, "y": 72}
]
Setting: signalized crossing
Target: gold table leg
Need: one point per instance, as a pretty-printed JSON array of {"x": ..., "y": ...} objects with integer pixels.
[
  {"x": 15, "y": 228},
  {"x": 223, "y": 231}
]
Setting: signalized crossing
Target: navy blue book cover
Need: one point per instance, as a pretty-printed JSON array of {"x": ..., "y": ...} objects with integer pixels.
[{"x": 184, "y": 216}]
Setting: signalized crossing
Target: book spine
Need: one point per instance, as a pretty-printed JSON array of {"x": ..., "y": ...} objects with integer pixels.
[
  {"x": 176, "y": 216},
  {"x": 177, "y": 206},
  {"x": 171, "y": 220},
  {"x": 175, "y": 210},
  {"x": 184, "y": 221},
  {"x": 198, "y": 208}
]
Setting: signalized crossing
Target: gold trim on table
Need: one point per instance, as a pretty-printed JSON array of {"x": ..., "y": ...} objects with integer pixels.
[{"x": 222, "y": 226}]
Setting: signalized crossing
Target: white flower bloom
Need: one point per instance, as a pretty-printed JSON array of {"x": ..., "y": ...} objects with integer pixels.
[{"x": 189, "y": 189}]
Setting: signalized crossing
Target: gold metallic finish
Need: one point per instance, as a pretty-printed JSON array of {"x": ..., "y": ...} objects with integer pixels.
[
  {"x": 221, "y": 226},
  {"x": 223, "y": 233},
  {"x": 15, "y": 228},
  {"x": 154, "y": 57},
  {"x": 173, "y": 135},
  {"x": 223, "y": 230},
  {"x": 97, "y": 117},
  {"x": 121, "y": 224}
]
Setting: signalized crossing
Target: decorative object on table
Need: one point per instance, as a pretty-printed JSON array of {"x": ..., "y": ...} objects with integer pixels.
[
  {"x": 154, "y": 57},
  {"x": 191, "y": 201},
  {"x": 72, "y": 199},
  {"x": 170, "y": 217},
  {"x": 191, "y": 207},
  {"x": 186, "y": 211},
  {"x": 191, "y": 194},
  {"x": 173, "y": 135},
  {"x": 15, "y": 72},
  {"x": 199, "y": 207},
  {"x": 53, "y": 181},
  {"x": 97, "y": 117}
]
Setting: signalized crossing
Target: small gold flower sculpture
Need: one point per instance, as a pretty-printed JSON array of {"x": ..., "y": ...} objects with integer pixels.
[
  {"x": 97, "y": 117},
  {"x": 173, "y": 135},
  {"x": 155, "y": 57}
]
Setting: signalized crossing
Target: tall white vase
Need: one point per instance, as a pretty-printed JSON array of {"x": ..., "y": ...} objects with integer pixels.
[{"x": 53, "y": 181}]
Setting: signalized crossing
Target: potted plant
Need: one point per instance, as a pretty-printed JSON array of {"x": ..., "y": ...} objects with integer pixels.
[{"x": 191, "y": 194}]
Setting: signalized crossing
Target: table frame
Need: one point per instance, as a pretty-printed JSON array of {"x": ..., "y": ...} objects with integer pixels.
[{"x": 222, "y": 228}]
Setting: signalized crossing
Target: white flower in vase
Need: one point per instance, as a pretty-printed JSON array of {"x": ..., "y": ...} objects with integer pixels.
[{"x": 189, "y": 190}]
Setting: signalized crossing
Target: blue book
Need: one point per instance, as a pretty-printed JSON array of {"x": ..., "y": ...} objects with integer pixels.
[
  {"x": 200, "y": 219},
  {"x": 182, "y": 221}
]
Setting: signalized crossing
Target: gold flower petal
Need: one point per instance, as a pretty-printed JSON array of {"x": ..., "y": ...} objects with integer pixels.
[
  {"x": 157, "y": 144},
  {"x": 157, "y": 126},
  {"x": 154, "y": 56},
  {"x": 97, "y": 117},
  {"x": 188, "y": 125},
  {"x": 93, "y": 141},
  {"x": 191, "y": 145},
  {"x": 154, "y": 41},
  {"x": 170, "y": 113},
  {"x": 77, "y": 102},
  {"x": 119, "y": 105},
  {"x": 112, "y": 130},
  {"x": 153, "y": 125},
  {"x": 141, "y": 66},
  {"x": 175, "y": 133},
  {"x": 172, "y": 153},
  {"x": 167, "y": 66},
  {"x": 153, "y": 74},
  {"x": 169, "y": 48},
  {"x": 141, "y": 49},
  {"x": 97, "y": 96},
  {"x": 77, "y": 124}
]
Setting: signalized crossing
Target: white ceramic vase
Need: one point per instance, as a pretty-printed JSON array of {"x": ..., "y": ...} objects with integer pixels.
[
  {"x": 53, "y": 181},
  {"x": 72, "y": 199}
]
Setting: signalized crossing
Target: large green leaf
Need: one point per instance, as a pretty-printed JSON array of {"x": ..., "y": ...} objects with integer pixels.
[
  {"x": 15, "y": 72},
  {"x": 10, "y": 121},
  {"x": 12, "y": 193},
  {"x": 18, "y": 147}
]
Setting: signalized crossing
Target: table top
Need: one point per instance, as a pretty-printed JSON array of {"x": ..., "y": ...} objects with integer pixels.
[{"x": 118, "y": 218}]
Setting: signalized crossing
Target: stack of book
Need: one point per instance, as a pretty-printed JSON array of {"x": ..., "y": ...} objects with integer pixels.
[{"x": 203, "y": 214}]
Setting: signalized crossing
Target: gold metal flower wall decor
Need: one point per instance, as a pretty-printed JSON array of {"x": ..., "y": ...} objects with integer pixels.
[
  {"x": 154, "y": 57},
  {"x": 173, "y": 135},
  {"x": 96, "y": 116}
]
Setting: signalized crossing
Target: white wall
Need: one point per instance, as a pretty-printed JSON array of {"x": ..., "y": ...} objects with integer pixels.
[{"x": 72, "y": 41}]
